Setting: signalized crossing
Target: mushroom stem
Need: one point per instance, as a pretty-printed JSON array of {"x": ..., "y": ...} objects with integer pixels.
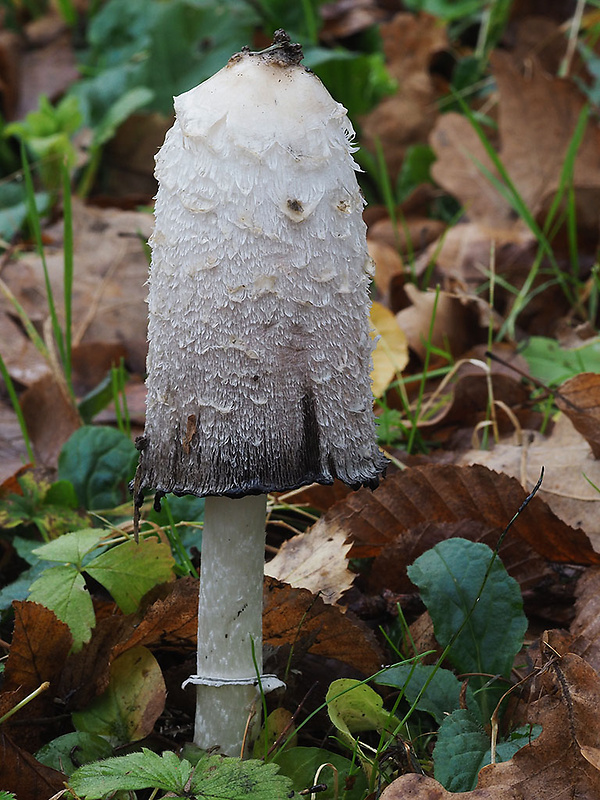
[{"x": 230, "y": 620}]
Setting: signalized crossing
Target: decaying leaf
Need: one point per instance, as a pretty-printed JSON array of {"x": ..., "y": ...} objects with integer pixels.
[
  {"x": 405, "y": 118},
  {"x": 560, "y": 763},
  {"x": 39, "y": 648},
  {"x": 293, "y": 615},
  {"x": 579, "y": 400},
  {"x": 22, "y": 774},
  {"x": 315, "y": 560},
  {"x": 567, "y": 460},
  {"x": 414, "y": 509}
]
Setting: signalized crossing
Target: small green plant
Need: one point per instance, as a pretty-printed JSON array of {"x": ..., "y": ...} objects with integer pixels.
[
  {"x": 47, "y": 133},
  {"x": 211, "y": 776}
]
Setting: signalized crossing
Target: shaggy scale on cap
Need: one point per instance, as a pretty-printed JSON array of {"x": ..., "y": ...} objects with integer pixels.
[{"x": 259, "y": 348}]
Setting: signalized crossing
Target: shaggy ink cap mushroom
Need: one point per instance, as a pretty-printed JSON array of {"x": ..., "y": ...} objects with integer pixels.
[{"x": 259, "y": 348}]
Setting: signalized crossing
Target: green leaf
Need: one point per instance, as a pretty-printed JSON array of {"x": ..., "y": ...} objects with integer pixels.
[
  {"x": 99, "y": 462},
  {"x": 415, "y": 170},
  {"x": 68, "y": 752},
  {"x": 301, "y": 764},
  {"x": 71, "y": 548},
  {"x": 7, "y": 795},
  {"x": 442, "y": 695},
  {"x": 450, "y": 577},
  {"x": 235, "y": 780},
  {"x": 145, "y": 770},
  {"x": 123, "y": 108},
  {"x": 62, "y": 589},
  {"x": 459, "y": 751},
  {"x": 463, "y": 749},
  {"x": 214, "y": 777},
  {"x": 552, "y": 364},
  {"x": 132, "y": 702},
  {"x": 130, "y": 570},
  {"x": 354, "y": 707}
]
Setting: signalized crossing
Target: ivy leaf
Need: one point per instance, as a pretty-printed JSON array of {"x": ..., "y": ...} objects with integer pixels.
[
  {"x": 130, "y": 570},
  {"x": 62, "y": 589}
]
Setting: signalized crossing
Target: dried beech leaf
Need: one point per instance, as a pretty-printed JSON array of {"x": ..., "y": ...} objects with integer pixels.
[
  {"x": 567, "y": 459},
  {"x": 291, "y": 615},
  {"x": 403, "y": 512},
  {"x": 390, "y": 356},
  {"x": 39, "y": 648},
  {"x": 579, "y": 399},
  {"x": 22, "y": 774},
  {"x": 315, "y": 560}
]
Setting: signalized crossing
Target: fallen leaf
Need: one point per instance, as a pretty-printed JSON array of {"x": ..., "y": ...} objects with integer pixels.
[
  {"x": 315, "y": 560},
  {"x": 39, "y": 648},
  {"x": 456, "y": 326},
  {"x": 133, "y": 701},
  {"x": 567, "y": 459},
  {"x": 390, "y": 356},
  {"x": 13, "y": 453},
  {"x": 21, "y": 774},
  {"x": 411, "y": 511},
  {"x": 560, "y": 763},
  {"x": 388, "y": 264},
  {"x": 411, "y": 235},
  {"x": 293, "y": 615},
  {"x": 579, "y": 399},
  {"x": 50, "y": 418},
  {"x": 409, "y": 41}
]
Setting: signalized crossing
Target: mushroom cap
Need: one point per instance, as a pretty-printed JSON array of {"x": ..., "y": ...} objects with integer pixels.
[{"x": 259, "y": 339}]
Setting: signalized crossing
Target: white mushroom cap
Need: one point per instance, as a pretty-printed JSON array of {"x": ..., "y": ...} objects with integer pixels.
[{"x": 259, "y": 348}]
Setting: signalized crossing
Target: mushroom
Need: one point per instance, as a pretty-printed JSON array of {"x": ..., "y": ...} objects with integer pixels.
[{"x": 259, "y": 354}]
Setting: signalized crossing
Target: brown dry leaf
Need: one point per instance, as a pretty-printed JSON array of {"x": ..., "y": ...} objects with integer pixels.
[
  {"x": 39, "y": 648},
  {"x": 410, "y": 236},
  {"x": 411, "y": 510},
  {"x": 560, "y": 763},
  {"x": 456, "y": 326},
  {"x": 21, "y": 774},
  {"x": 13, "y": 452},
  {"x": 585, "y": 627},
  {"x": 409, "y": 41},
  {"x": 468, "y": 252},
  {"x": 48, "y": 65},
  {"x": 315, "y": 560},
  {"x": 579, "y": 400},
  {"x": 23, "y": 362},
  {"x": 110, "y": 269},
  {"x": 538, "y": 114},
  {"x": 348, "y": 17},
  {"x": 388, "y": 264},
  {"x": 293, "y": 616},
  {"x": 567, "y": 459},
  {"x": 50, "y": 418},
  {"x": 459, "y": 152}
]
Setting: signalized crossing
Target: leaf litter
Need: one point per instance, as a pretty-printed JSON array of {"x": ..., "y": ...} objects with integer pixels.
[{"x": 331, "y": 587}]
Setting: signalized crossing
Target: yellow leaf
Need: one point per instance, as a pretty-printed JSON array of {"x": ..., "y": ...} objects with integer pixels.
[{"x": 391, "y": 353}]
